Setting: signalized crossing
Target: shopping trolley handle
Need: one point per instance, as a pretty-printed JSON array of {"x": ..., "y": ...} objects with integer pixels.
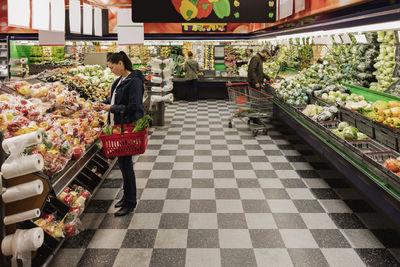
[{"x": 236, "y": 84}]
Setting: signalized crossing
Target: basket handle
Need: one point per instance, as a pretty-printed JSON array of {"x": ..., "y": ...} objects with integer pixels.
[{"x": 122, "y": 113}]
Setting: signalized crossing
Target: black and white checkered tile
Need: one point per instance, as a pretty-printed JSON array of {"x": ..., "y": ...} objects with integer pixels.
[{"x": 215, "y": 196}]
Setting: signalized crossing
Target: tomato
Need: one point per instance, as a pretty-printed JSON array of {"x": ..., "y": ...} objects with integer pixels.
[
  {"x": 69, "y": 230},
  {"x": 67, "y": 190},
  {"x": 49, "y": 218},
  {"x": 116, "y": 131},
  {"x": 85, "y": 194}
]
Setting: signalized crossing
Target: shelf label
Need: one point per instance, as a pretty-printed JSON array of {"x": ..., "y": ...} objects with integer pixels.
[
  {"x": 361, "y": 39},
  {"x": 346, "y": 39},
  {"x": 337, "y": 39}
]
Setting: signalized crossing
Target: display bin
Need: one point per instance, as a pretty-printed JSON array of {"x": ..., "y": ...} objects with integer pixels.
[
  {"x": 368, "y": 145},
  {"x": 387, "y": 136},
  {"x": 378, "y": 159},
  {"x": 365, "y": 125},
  {"x": 330, "y": 125},
  {"x": 348, "y": 116}
]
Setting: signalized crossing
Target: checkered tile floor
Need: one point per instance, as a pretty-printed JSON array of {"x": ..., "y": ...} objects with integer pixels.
[{"x": 214, "y": 196}]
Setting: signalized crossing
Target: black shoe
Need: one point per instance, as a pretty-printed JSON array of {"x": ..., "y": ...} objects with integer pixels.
[
  {"x": 119, "y": 203},
  {"x": 124, "y": 210}
]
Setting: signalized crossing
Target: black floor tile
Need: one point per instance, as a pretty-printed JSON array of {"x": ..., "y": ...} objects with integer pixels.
[
  {"x": 255, "y": 206},
  {"x": 81, "y": 240},
  {"x": 157, "y": 183},
  {"x": 178, "y": 193},
  {"x": 293, "y": 183},
  {"x": 98, "y": 257},
  {"x": 224, "y": 174},
  {"x": 140, "y": 238},
  {"x": 320, "y": 165},
  {"x": 329, "y": 238},
  {"x": 203, "y": 183},
  {"x": 242, "y": 166},
  {"x": 185, "y": 174},
  {"x": 308, "y": 174},
  {"x": 112, "y": 222},
  {"x": 266, "y": 174},
  {"x": 281, "y": 166},
  {"x": 324, "y": 193},
  {"x": 376, "y": 257},
  {"x": 238, "y": 258},
  {"x": 346, "y": 221},
  {"x": 112, "y": 183},
  {"x": 203, "y": 206},
  {"x": 168, "y": 258},
  {"x": 273, "y": 152},
  {"x": 308, "y": 206},
  {"x": 98, "y": 206},
  {"x": 174, "y": 221},
  {"x": 296, "y": 159},
  {"x": 149, "y": 206},
  {"x": 231, "y": 221},
  {"x": 227, "y": 193},
  {"x": 248, "y": 183},
  {"x": 203, "y": 238},
  {"x": 275, "y": 193}
]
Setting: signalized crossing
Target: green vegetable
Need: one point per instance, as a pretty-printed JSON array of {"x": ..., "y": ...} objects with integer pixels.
[
  {"x": 222, "y": 8},
  {"x": 64, "y": 148},
  {"x": 141, "y": 124},
  {"x": 342, "y": 125},
  {"x": 108, "y": 130},
  {"x": 28, "y": 150},
  {"x": 48, "y": 144}
]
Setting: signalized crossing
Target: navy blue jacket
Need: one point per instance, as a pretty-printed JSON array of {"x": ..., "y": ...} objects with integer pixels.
[{"x": 129, "y": 97}]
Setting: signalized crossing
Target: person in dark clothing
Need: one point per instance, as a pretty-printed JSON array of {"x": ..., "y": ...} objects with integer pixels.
[
  {"x": 191, "y": 67},
  {"x": 255, "y": 73},
  {"x": 126, "y": 100}
]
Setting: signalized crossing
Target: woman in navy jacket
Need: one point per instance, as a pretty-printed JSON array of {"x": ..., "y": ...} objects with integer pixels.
[{"x": 126, "y": 100}]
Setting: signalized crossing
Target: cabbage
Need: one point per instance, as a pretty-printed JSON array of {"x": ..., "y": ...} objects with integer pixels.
[
  {"x": 350, "y": 132},
  {"x": 342, "y": 125},
  {"x": 361, "y": 136}
]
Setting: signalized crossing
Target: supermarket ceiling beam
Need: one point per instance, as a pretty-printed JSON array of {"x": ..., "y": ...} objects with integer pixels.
[{"x": 366, "y": 18}]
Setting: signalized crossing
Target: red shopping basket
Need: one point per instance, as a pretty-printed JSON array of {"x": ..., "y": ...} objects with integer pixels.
[{"x": 124, "y": 144}]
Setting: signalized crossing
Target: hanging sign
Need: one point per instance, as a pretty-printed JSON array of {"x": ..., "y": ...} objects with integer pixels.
[
  {"x": 285, "y": 8},
  {"x": 98, "y": 22},
  {"x": 40, "y": 14},
  {"x": 204, "y": 27},
  {"x": 75, "y": 16},
  {"x": 58, "y": 15},
  {"x": 87, "y": 19},
  {"x": 129, "y": 33},
  {"x": 299, "y": 5},
  {"x": 216, "y": 11},
  {"x": 19, "y": 13}
]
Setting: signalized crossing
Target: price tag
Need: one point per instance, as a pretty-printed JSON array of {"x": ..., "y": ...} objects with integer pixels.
[
  {"x": 70, "y": 131},
  {"x": 361, "y": 39},
  {"x": 337, "y": 39},
  {"x": 346, "y": 39},
  {"x": 59, "y": 132}
]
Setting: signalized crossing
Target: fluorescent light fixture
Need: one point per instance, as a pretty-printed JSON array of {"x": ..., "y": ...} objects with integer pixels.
[
  {"x": 19, "y": 13},
  {"x": 58, "y": 15},
  {"x": 41, "y": 14}
]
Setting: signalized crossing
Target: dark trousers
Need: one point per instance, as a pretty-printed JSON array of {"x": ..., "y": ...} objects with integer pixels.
[
  {"x": 191, "y": 86},
  {"x": 126, "y": 166}
]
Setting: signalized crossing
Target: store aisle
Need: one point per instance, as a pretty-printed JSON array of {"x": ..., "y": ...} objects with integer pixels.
[{"x": 214, "y": 196}]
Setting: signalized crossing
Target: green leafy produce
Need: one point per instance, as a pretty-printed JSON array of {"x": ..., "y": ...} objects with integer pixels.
[
  {"x": 108, "y": 130},
  {"x": 342, "y": 125},
  {"x": 141, "y": 124}
]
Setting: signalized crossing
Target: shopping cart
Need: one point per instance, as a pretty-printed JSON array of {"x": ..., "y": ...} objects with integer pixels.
[{"x": 253, "y": 105}]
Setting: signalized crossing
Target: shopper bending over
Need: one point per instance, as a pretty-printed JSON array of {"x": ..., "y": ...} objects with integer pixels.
[
  {"x": 255, "y": 74},
  {"x": 191, "y": 67},
  {"x": 126, "y": 95}
]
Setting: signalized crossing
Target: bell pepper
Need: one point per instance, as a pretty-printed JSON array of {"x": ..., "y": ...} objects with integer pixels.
[
  {"x": 222, "y": 8},
  {"x": 188, "y": 9},
  {"x": 177, "y": 4},
  {"x": 204, "y": 9}
]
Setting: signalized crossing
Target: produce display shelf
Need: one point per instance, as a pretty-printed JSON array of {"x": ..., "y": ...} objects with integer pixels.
[
  {"x": 372, "y": 180},
  {"x": 371, "y": 95}
]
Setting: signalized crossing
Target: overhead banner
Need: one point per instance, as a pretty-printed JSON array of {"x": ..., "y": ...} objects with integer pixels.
[{"x": 217, "y": 11}]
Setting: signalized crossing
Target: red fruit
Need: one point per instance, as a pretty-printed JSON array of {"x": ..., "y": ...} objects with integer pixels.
[
  {"x": 85, "y": 194},
  {"x": 69, "y": 230},
  {"x": 393, "y": 165},
  {"x": 77, "y": 152},
  {"x": 69, "y": 199},
  {"x": 49, "y": 218},
  {"x": 67, "y": 190}
]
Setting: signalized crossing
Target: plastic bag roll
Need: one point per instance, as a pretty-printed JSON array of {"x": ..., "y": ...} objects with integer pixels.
[
  {"x": 22, "y": 140},
  {"x": 156, "y": 79},
  {"x": 22, "y": 166},
  {"x": 22, "y": 241},
  {"x": 23, "y": 191},
  {"x": 23, "y": 216},
  {"x": 156, "y": 70},
  {"x": 33, "y": 239},
  {"x": 166, "y": 98}
]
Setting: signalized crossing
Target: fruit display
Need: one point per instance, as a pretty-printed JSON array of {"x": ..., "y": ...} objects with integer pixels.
[
  {"x": 133, "y": 53},
  {"x": 385, "y": 62},
  {"x": 47, "y": 54},
  {"x": 75, "y": 196},
  {"x": 69, "y": 122},
  {"x": 187, "y": 46},
  {"x": 144, "y": 54},
  {"x": 347, "y": 132},
  {"x": 165, "y": 51},
  {"x": 84, "y": 87},
  {"x": 209, "y": 57},
  {"x": 230, "y": 57}
]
